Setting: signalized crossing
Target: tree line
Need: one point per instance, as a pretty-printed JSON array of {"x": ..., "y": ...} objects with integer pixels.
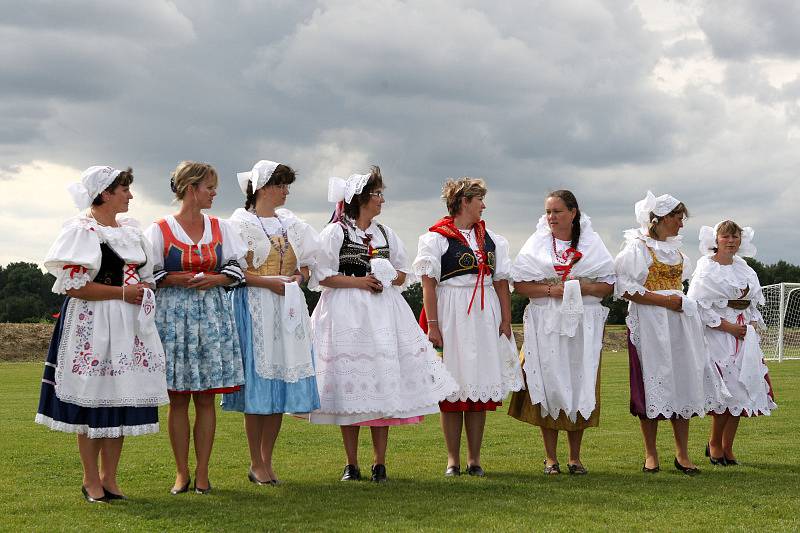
[{"x": 25, "y": 294}]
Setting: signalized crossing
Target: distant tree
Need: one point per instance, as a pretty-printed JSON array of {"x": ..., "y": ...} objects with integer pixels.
[
  {"x": 26, "y": 295},
  {"x": 413, "y": 296}
]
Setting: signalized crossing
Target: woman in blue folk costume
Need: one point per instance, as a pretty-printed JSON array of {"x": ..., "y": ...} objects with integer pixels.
[
  {"x": 104, "y": 375},
  {"x": 194, "y": 257},
  {"x": 272, "y": 315}
]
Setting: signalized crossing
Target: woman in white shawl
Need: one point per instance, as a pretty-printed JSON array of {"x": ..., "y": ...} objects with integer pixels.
[
  {"x": 565, "y": 270},
  {"x": 671, "y": 376},
  {"x": 271, "y": 314},
  {"x": 728, "y": 293}
]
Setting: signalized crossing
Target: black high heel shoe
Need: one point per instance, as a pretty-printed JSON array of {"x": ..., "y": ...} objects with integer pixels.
[
  {"x": 716, "y": 461},
  {"x": 198, "y": 490},
  {"x": 90, "y": 499},
  {"x": 688, "y": 470},
  {"x": 183, "y": 489},
  {"x": 253, "y": 479},
  {"x": 114, "y": 496}
]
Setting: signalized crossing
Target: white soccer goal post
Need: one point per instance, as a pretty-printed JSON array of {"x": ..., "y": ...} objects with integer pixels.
[{"x": 781, "y": 313}]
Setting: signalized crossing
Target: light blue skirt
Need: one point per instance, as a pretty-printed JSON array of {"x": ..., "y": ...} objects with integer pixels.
[
  {"x": 261, "y": 396},
  {"x": 199, "y": 336}
]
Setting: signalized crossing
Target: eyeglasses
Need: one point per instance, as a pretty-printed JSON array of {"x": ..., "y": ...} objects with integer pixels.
[{"x": 377, "y": 194}]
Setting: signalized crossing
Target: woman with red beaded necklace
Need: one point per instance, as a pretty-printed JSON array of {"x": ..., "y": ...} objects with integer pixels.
[{"x": 565, "y": 270}]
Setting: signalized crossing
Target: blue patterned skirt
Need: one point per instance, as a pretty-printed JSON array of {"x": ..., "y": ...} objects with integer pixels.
[
  {"x": 94, "y": 422},
  {"x": 200, "y": 340},
  {"x": 261, "y": 396}
]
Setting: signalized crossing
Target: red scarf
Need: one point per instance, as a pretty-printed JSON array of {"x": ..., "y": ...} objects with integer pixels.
[
  {"x": 573, "y": 256},
  {"x": 447, "y": 228}
]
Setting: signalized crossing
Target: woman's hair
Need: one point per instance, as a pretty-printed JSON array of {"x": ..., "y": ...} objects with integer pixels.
[
  {"x": 727, "y": 227},
  {"x": 456, "y": 189},
  {"x": 189, "y": 173},
  {"x": 125, "y": 178},
  {"x": 283, "y": 175},
  {"x": 572, "y": 203},
  {"x": 655, "y": 220},
  {"x": 375, "y": 181}
]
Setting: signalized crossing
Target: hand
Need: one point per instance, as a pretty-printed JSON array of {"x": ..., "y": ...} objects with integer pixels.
[
  {"x": 586, "y": 287},
  {"x": 674, "y": 302},
  {"x": 277, "y": 284},
  {"x": 298, "y": 278},
  {"x": 207, "y": 281},
  {"x": 738, "y": 331},
  {"x": 557, "y": 290},
  {"x": 369, "y": 283},
  {"x": 178, "y": 279},
  {"x": 505, "y": 329},
  {"x": 133, "y": 294},
  {"x": 435, "y": 335}
]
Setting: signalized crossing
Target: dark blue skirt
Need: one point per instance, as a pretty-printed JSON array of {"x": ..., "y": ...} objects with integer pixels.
[{"x": 94, "y": 422}]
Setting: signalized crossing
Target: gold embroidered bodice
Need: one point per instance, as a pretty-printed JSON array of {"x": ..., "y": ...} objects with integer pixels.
[
  {"x": 663, "y": 277},
  {"x": 273, "y": 266}
]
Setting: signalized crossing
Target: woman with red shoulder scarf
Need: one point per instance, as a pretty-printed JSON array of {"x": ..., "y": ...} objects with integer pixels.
[{"x": 465, "y": 270}]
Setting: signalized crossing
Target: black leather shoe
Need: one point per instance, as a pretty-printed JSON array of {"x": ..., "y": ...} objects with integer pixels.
[
  {"x": 113, "y": 496},
  {"x": 181, "y": 490},
  {"x": 716, "y": 461},
  {"x": 452, "y": 471},
  {"x": 253, "y": 479},
  {"x": 351, "y": 473},
  {"x": 379, "y": 474},
  {"x": 475, "y": 470},
  {"x": 688, "y": 470},
  {"x": 198, "y": 490},
  {"x": 102, "y": 499},
  {"x": 655, "y": 470},
  {"x": 730, "y": 462}
]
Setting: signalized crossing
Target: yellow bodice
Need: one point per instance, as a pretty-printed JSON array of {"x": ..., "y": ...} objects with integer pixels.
[
  {"x": 275, "y": 265},
  {"x": 663, "y": 277}
]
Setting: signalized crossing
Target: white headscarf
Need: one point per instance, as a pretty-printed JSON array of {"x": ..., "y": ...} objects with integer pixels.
[
  {"x": 94, "y": 180},
  {"x": 341, "y": 190},
  {"x": 708, "y": 241},
  {"x": 658, "y": 205},
  {"x": 258, "y": 176}
]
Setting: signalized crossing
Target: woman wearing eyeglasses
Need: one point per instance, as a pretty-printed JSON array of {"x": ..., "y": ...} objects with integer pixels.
[{"x": 375, "y": 367}]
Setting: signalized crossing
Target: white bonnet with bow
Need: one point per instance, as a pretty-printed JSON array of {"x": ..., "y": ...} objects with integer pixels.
[
  {"x": 258, "y": 176},
  {"x": 658, "y": 205},
  {"x": 708, "y": 241},
  {"x": 94, "y": 180},
  {"x": 341, "y": 190}
]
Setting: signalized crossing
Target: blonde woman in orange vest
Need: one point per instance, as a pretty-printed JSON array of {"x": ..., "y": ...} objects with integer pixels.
[
  {"x": 194, "y": 257},
  {"x": 671, "y": 376}
]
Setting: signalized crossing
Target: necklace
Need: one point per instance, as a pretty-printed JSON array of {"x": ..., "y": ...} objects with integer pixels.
[
  {"x": 91, "y": 215},
  {"x": 281, "y": 249},
  {"x": 561, "y": 257}
]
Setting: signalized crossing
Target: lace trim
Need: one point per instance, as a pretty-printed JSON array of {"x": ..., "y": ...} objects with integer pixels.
[
  {"x": 737, "y": 410},
  {"x": 96, "y": 433},
  {"x": 671, "y": 244},
  {"x": 76, "y": 282},
  {"x": 289, "y": 375},
  {"x": 427, "y": 267}
]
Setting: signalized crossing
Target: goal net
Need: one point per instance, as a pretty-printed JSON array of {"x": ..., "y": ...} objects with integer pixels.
[{"x": 781, "y": 313}]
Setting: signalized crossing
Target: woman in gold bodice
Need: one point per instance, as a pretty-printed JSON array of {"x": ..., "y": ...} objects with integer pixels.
[{"x": 271, "y": 314}]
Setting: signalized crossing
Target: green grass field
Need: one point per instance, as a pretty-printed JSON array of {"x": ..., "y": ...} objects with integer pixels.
[{"x": 42, "y": 473}]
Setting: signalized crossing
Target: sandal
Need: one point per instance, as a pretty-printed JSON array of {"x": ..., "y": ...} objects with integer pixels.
[
  {"x": 578, "y": 470},
  {"x": 551, "y": 470}
]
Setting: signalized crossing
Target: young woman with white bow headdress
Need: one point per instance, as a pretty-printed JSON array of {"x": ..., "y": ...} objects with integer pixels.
[
  {"x": 671, "y": 375},
  {"x": 728, "y": 294},
  {"x": 271, "y": 314},
  {"x": 375, "y": 367},
  {"x": 105, "y": 373}
]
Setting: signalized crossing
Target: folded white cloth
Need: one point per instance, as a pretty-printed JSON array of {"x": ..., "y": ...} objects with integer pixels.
[
  {"x": 293, "y": 300},
  {"x": 147, "y": 312},
  {"x": 383, "y": 270},
  {"x": 571, "y": 307}
]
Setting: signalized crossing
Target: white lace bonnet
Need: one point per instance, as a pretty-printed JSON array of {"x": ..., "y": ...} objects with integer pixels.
[
  {"x": 94, "y": 180},
  {"x": 658, "y": 205},
  {"x": 708, "y": 240},
  {"x": 258, "y": 176},
  {"x": 341, "y": 190}
]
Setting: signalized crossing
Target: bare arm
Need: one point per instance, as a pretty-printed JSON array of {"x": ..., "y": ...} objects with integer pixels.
[
  {"x": 400, "y": 279},
  {"x": 430, "y": 303},
  {"x": 95, "y": 292},
  {"x": 340, "y": 281},
  {"x": 501, "y": 288},
  {"x": 538, "y": 289},
  {"x": 672, "y": 302},
  {"x": 595, "y": 288}
]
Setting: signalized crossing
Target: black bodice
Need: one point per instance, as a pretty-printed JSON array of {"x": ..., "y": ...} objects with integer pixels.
[
  {"x": 460, "y": 260},
  {"x": 112, "y": 267},
  {"x": 354, "y": 256}
]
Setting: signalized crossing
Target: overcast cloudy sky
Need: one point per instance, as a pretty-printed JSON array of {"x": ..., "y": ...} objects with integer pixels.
[{"x": 606, "y": 98}]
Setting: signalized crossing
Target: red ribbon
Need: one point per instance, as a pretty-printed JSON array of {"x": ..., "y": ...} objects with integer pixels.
[
  {"x": 572, "y": 255},
  {"x": 447, "y": 228},
  {"x": 74, "y": 269},
  {"x": 739, "y": 321}
]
